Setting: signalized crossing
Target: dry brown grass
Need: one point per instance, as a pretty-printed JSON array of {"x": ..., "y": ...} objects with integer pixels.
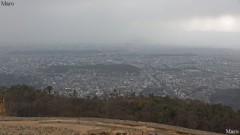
[{"x": 88, "y": 126}]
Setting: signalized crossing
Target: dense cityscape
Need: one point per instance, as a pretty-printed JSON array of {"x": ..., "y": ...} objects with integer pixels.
[{"x": 183, "y": 73}]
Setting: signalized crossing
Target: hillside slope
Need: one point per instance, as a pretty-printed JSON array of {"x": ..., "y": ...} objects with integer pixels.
[
  {"x": 25, "y": 101},
  {"x": 88, "y": 126}
]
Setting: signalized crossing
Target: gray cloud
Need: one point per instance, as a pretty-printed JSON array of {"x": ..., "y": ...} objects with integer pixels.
[{"x": 117, "y": 22}]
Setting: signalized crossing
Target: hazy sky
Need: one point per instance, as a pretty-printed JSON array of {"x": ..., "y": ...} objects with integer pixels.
[{"x": 214, "y": 23}]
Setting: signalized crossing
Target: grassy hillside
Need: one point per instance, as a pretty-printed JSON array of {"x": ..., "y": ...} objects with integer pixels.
[{"x": 88, "y": 126}]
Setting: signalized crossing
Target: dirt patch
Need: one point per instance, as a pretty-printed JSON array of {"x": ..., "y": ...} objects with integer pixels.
[{"x": 87, "y": 126}]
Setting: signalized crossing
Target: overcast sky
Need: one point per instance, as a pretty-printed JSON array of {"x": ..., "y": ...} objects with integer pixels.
[{"x": 214, "y": 23}]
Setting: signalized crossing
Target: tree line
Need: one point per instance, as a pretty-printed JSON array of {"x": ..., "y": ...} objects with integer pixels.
[{"x": 26, "y": 101}]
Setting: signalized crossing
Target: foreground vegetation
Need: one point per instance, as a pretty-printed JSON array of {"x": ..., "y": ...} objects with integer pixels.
[{"x": 25, "y": 101}]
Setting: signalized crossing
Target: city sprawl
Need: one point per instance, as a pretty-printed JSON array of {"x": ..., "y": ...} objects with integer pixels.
[{"x": 182, "y": 73}]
